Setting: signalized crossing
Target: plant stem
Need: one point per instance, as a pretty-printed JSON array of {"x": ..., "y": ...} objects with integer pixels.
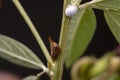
[
  {"x": 58, "y": 71},
  {"x": 92, "y": 5},
  {"x": 103, "y": 8},
  {"x": 62, "y": 42},
  {"x": 87, "y": 4},
  {"x": 33, "y": 29},
  {"x": 41, "y": 73}
]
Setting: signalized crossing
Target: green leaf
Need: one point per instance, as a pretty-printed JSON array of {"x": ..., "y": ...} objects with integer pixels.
[
  {"x": 113, "y": 20},
  {"x": 111, "y": 4},
  {"x": 101, "y": 65},
  {"x": 82, "y": 28},
  {"x": 18, "y": 53},
  {"x": 81, "y": 68},
  {"x": 30, "y": 78},
  {"x": 115, "y": 76},
  {"x": 103, "y": 75},
  {"x": 107, "y": 76}
]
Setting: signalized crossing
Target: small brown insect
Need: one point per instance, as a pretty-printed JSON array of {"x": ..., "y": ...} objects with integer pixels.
[{"x": 55, "y": 49}]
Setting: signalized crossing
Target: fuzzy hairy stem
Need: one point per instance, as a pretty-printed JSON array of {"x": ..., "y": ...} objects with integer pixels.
[{"x": 58, "y": 68}]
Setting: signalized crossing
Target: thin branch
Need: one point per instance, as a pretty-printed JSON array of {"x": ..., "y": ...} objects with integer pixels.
[{"x": 33, "y": 29}]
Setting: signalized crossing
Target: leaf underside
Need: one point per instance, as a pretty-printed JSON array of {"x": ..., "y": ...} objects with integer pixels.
[
  {"x": 110, "y": 4},
  {"x": 18, "y": 53},
  {"x": 113, "y": 20}
]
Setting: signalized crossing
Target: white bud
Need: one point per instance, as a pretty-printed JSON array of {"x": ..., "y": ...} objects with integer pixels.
[{"x": 71, "y": 10}]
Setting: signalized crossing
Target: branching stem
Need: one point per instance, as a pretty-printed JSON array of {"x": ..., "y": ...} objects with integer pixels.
[{"x": 88, "y": 4}]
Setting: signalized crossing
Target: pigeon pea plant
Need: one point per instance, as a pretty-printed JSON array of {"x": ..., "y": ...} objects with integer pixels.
[{"x": 77, "y": 29}]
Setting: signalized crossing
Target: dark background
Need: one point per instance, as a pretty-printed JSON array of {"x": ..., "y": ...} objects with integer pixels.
[{"x": 46, "y": 15}]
